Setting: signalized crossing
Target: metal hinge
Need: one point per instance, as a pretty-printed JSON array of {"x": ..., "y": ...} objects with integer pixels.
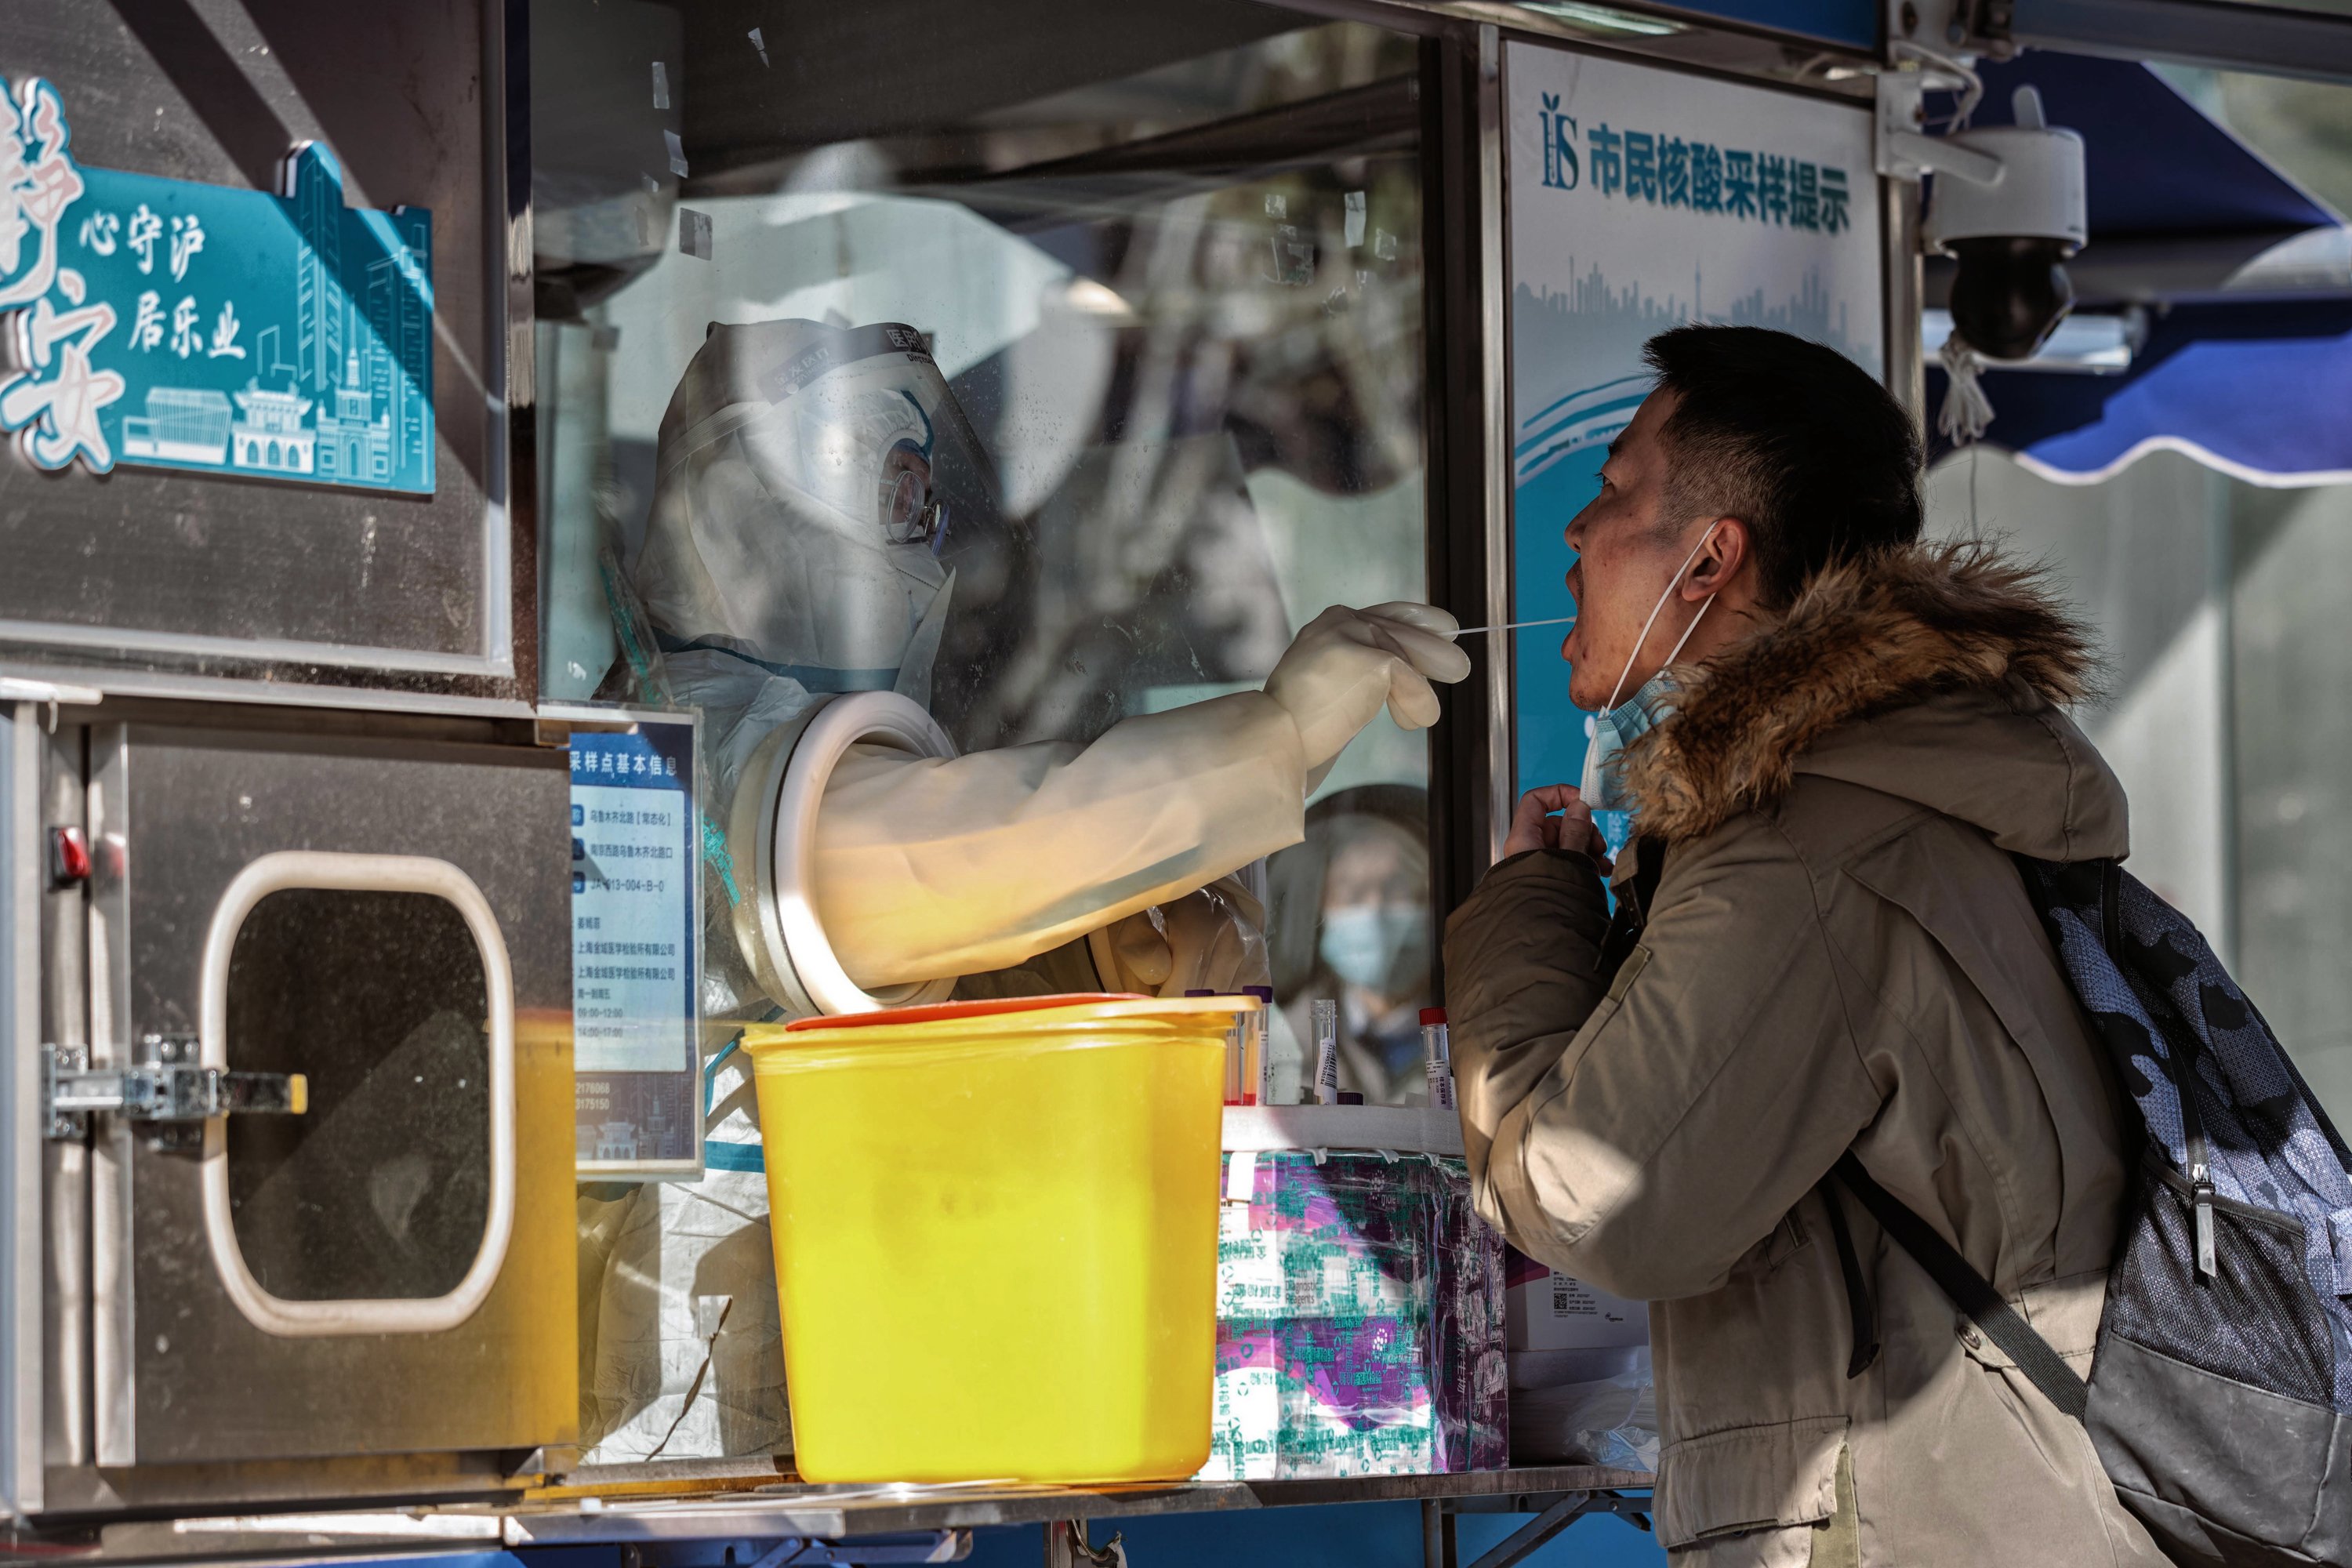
[{"x": 163, "y": 1084}]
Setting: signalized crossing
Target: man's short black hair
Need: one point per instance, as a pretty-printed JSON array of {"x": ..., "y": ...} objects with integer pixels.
[{"x": 1793, "y": 438}]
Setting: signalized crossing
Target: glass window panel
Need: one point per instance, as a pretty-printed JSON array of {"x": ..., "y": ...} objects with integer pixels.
[
  {"x": 2291, "y": 744},
  {"x": 380, "y": 1189},
  {"x": 2218, "y": 607},
  {"x": 1167, "y": 260}
]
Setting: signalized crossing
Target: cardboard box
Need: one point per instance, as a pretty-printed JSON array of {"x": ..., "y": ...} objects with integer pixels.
[
  {"x": 1360, "y": 1320},
  {"x": 1548, "y": 1310}
]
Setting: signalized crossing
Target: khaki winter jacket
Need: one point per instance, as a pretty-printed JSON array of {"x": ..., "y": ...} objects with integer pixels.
[{"x": 1839, "y": 954}]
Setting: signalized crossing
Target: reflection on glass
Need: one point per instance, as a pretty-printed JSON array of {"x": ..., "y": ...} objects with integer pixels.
[
  {"x": 1167, "y": 260},
  {"x": 1352, "y": 923},
  {"x": 381, "y": 1187}
]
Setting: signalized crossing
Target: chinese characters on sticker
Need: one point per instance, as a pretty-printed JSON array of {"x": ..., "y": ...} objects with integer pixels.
[
  {"x": 131, "y": 296},
  {"x": 1672, "y": 171}
]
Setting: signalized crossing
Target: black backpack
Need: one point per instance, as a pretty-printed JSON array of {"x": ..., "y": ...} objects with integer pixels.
[{"x": 2220, "y": 1398}]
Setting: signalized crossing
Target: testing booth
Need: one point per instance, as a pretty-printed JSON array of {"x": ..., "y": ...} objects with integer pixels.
[{"x": 520, "y": 509}]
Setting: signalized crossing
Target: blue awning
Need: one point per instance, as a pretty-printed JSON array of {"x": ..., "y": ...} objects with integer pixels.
[
  {"x": 2254, "y": 385},
  {"x": 2261, "y": 391},
  {"x": 1854, "y": 23},
  {"x": 2156, "y": 165}
]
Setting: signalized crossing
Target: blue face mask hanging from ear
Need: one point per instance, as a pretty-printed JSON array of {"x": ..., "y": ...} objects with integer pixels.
[{"x": 1617, "y": 725}]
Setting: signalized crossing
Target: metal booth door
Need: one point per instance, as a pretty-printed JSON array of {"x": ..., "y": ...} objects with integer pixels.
[{"x": 391, "y": 1269}]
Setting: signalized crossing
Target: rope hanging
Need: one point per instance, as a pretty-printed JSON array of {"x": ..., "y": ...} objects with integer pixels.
[{"x": 1967, "y": 411}]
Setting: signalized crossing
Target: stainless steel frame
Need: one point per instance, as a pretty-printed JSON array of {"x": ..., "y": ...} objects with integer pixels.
[
  {"x": 2291, "y": 40},
  {"x": 65, "y": 1214},
  {"x": 181, "y": 1373},
  {"x": 748, "y": 1505},
  {"x": 499, "y": 671},
  {"x": 1494, "y": 451},
  {"x": 107, "y": 1198},
  {"x": 1694, "y": 39},
  {"x": 21, "y": 1317},
  {"x": 1907, "y": 357}
]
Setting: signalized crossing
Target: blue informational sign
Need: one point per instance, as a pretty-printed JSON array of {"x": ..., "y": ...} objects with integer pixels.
[
  {"x": 1642, "y": 199},
  {"x": 633, "y": 919},
  {"x": 173, "y": 325}
]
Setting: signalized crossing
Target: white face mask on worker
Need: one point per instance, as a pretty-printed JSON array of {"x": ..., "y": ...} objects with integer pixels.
[{"x": 1616, "y": 726}]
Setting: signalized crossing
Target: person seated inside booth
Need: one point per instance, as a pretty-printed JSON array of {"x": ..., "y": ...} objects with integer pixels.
[
  {"x": 1351, "y": 924},
  {"x": 1832, "y": 737}
]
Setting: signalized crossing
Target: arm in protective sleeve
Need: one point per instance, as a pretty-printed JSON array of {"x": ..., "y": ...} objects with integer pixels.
[
  {"x": 1713, "y": 1085},
  {"x": 1520, "y": 982},
  {"x": 956, "y": 865}
]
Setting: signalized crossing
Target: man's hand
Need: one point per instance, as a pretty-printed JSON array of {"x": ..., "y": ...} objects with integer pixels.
[{"x": 1554, "y": 817}]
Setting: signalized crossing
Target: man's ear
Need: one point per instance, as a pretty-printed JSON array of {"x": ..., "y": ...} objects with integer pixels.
[{"x": 1727, "y": 551}]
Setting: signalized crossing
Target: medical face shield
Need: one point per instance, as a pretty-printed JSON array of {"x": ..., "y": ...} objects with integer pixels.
[{"x": 810, "y": 479}]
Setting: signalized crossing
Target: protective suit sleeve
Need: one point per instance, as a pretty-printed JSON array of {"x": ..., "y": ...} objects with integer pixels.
[
  {"x": 1210, "y": 940},
  {"x": 949, "y": 867}
]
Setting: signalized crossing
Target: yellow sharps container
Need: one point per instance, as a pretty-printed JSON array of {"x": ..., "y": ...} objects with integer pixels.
[{"x": 995, "y": 1227}]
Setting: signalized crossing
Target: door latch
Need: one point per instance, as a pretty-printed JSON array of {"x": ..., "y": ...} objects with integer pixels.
[{"x": 163, "y": 1084}]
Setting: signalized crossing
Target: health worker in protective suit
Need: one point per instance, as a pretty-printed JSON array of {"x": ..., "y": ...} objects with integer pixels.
[{"x": 808, "y": 479}]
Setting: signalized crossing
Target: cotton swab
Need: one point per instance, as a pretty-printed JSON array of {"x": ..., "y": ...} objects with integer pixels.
[{"x": 1514, "y": 625}]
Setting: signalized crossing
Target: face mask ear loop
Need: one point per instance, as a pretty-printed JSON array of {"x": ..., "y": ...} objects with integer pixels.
[
  {"x": 1673, "y": 652},
  {"x": 1644, "y": 634}
]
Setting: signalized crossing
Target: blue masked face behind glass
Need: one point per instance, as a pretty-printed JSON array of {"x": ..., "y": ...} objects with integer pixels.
[
  {"x": 1371, "y": 945},
  {"x": 1617, "y": 725}
]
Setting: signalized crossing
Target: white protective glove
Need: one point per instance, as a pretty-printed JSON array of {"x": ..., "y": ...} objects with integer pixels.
[
  {"x": 1347, "y": 663},
  {"x": 938, "y": 866},
  {"x": 1212, "y": 940}
]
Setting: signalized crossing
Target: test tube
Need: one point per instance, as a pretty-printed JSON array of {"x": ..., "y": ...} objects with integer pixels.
[
  {"x": 1327, "y": 1051},
  {"x": 1257, "y": 1064},
  {"x": 1232, "y": 1054},
  {"x": 1437, "y": 1057}
]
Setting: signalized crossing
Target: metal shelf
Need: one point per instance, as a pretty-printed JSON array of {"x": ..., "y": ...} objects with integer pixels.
[
  {"x": 727, "y": 1504},
  {"x": 1474, "y": 1491},
  {"x": 838, "y": 1513}
]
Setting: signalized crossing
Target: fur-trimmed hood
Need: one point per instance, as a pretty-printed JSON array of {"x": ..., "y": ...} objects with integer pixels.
[{"x": 1935, "y": 673}]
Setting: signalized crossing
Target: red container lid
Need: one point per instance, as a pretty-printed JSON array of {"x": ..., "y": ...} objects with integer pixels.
[
  {"x": 936, "y": 1011},
  {"x": 1433, "y": 1015}
]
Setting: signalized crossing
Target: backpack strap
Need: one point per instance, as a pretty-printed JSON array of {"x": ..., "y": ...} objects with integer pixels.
[
  {"x": 1861, "y": 1314},
  {"x": 1985, "y": 1307},
  {"x": 1636, "y": 895}
]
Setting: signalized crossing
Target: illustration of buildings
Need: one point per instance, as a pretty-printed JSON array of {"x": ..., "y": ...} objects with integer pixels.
[
  {"x": 182, "y": 424},
  {"x": 616, "y": 1140},
  {"x": 400, "y": 315},
  {"x": 356, "y": 440},
  {"x": 319, "y": 300},
  {"x": 272, "y": 437},
  {"x": 268, "y": 349}
]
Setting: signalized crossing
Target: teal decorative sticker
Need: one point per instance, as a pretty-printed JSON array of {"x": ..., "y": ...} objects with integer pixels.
[{"x": 175, "y": 325}]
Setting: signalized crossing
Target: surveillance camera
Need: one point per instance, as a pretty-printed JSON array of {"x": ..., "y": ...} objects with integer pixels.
[{"x": 2010, "y": 233}]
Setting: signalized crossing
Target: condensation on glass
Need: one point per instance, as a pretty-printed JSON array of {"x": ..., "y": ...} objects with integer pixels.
[
  {"x": 381, "y": 1189},
  {"x": 1168, "y": 260}
]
